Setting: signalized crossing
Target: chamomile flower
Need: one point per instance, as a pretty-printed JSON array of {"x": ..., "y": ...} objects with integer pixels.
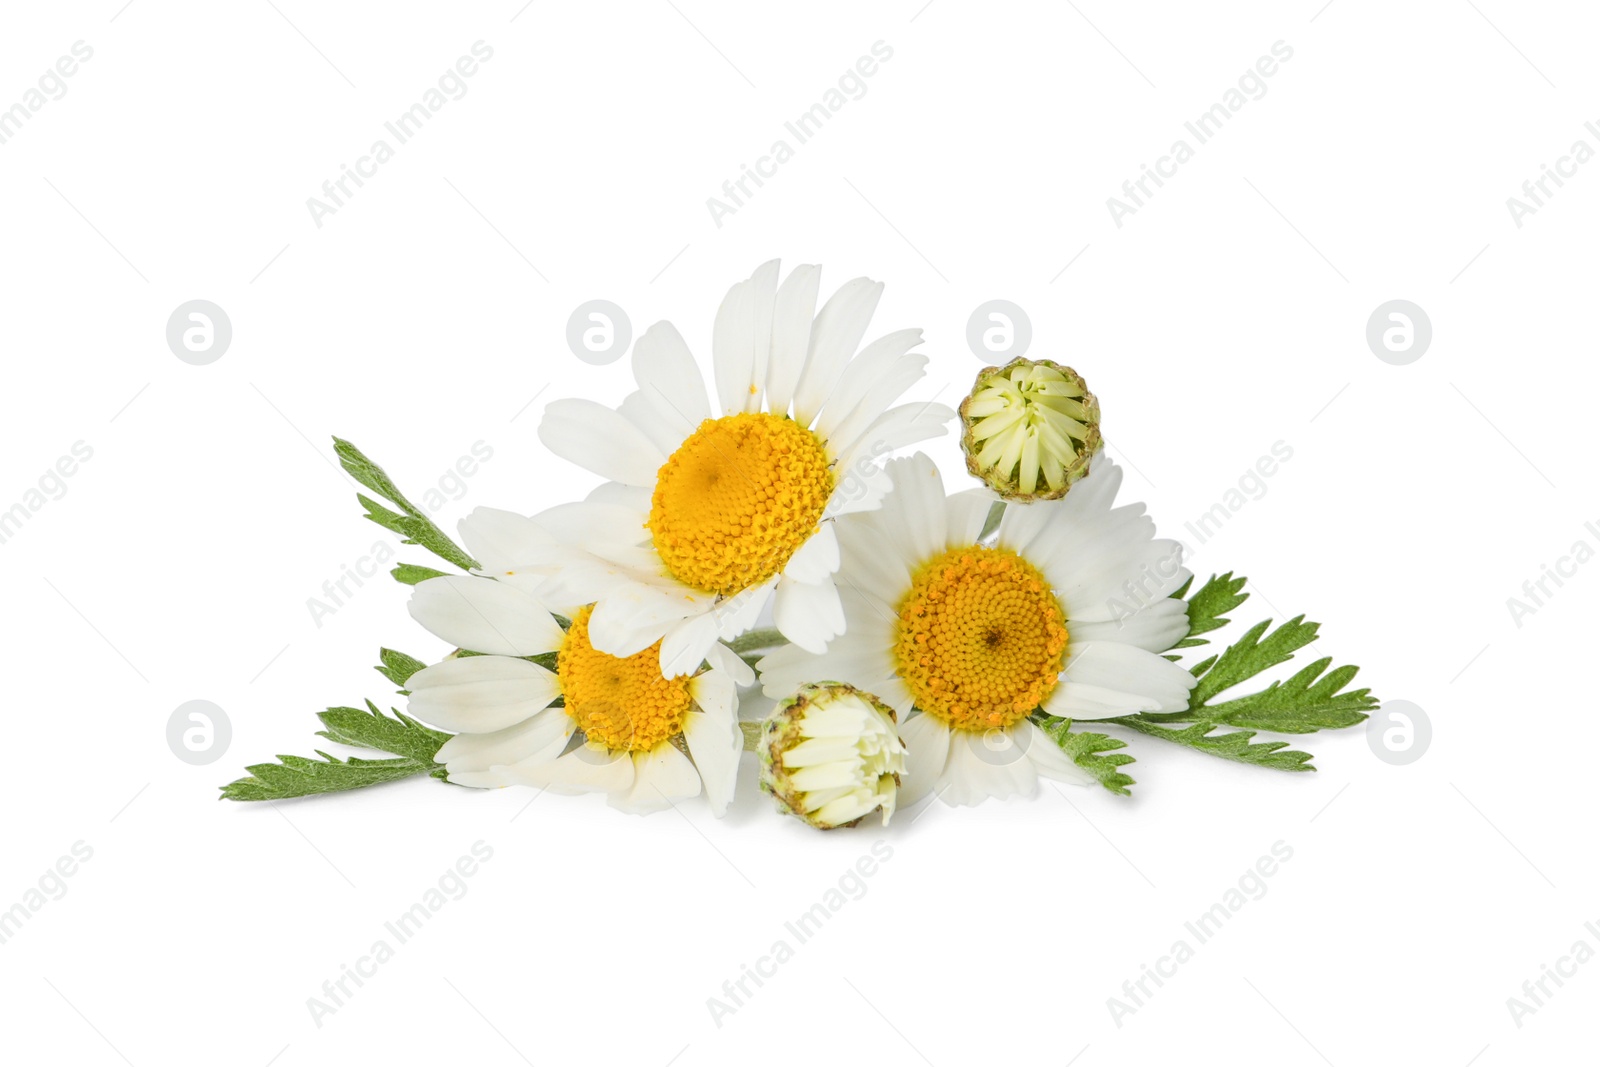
[
  {"x": 1066, "y": 610},
  {"x": 707, "y": 518},
  {"x": 637, "y": 725}
]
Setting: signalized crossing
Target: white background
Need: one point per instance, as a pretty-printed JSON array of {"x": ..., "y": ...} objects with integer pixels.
[{"x": 428, "y": 314}]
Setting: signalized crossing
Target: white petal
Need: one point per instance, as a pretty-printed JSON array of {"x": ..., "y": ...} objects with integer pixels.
[
  {"x": 687, "y": 644},
  {"x": 600, "y": 440},
  {"x": 1122, "y": 572},
  {"x": 633, "y": 497},
  {"x": 502, "y": 541},
  {"x": 715, "y": 742},
  {"x": 885, "y": 390},
  {"x": 914, "y": 514},
  {"x": 863, "y": 664},
  {"x": 664, "y": 428},
  {"x": 927, "y": 743},
  {"x": 606, "y": 529},
  {"x": 965, "y": 513},
  {"x": 480, "y": 694},
  {"x": 808, "y": 615},
  {"x": 633, "y": 617},
  {"x": 1076, "y": 700},
  {"x": 662, "y": 777},
  {"x": 739, "y": 612},
  {"x": 869, "y": 382},
  {"x": 483, "y": 760},
  {"x": 1020, "y": 526},
  {"x": 586, "y": 769},
  {"x": 1132, "y": 670},
  {"x": 715, "y": 692},
  {"x": 796, "y": 302},
  {"x": 1048, "y": 758},
  {"x": 1126, "y": 677},
  {"x": 982, "y": 766},
  {"x": 1097, "y": 490},
  {"x": 898, "y": 427},
  {"x": 1091, "y": 496},
  {"x": 858, "y": 487},
  {"x": 727, "y": 662},
  {"x": 584, "y": 579},
  {"x": 741, "y": 338},
  {"x": 1155, "y": 628},
  {"x": 764, "y": 286},
  {"x": 893, "y": 692},
  {"x": 1103, "y": 558},
  {"x": 817, "y": 559},
  {"x": 1103, "y": 563},
  {"x": 869, "y": 621},
  {"x": 483, "y": 615},
  {"x": 835, "y": 335},
  {"x": 730, "y": 347},
  {"x": 873, "y": 563},
  {"x": 663, "y": 366}
]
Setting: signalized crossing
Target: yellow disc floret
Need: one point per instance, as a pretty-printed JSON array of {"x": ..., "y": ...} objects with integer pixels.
[
  {"x": 737, "y": 499},
  {"x": 622, "y": 703},
  {"x": 981, "y": 639}
]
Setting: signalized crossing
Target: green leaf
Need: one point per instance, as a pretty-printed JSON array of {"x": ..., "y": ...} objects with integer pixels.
[
  {"x": 1247, "y": 657},
  {"x": 414, "y": 744},
  {"x": 417, "y": 530},
  {"x": 397, "y": 666},
  {"x": 299, "y": 776},
  {"x": 369, "y": 474},
  {"x": 411, "y": 574},
  {"x": 400, "y": 735},
  {"x": 410, "y": 522},
  {"x": 1308, "y": 702},
  {"x": 1311, "y": 700},
  {"x": 1314, "y": 698},
  {"x": 1229, "y": 745},
  {"x": 1085, "y": 750},
  {"x": 1209, "y": 607}
]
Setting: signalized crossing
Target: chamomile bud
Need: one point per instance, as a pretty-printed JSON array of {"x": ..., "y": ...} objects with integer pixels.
[
  {"x": 830, "y": 755},
  {"x": 1029, "y": 429}
]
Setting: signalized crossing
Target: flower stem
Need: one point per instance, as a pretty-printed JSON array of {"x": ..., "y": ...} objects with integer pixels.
[
  {"x": 754, "y": 639},
  {"x": 991, "y": 521},
  {"x": 752, "y": 735}
]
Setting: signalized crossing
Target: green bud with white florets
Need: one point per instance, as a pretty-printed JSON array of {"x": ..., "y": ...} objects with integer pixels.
[
  {"x": 830, "y": 755},
  {"x": 1029, "y": 429}
]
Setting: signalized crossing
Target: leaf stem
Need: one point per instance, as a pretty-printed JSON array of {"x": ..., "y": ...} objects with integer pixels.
[
  {"x": 752, "y": 735},
  {"x": 757, "y": 639}
]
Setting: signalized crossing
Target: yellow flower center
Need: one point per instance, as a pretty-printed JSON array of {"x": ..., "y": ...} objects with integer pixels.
[
  {"x": 980, "y": 639},
  {"x": 737, "y": 499},
  {"x": 622, "y": 703}
]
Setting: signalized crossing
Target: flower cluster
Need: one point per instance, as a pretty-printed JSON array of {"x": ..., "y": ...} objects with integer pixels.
[{"x": 748, "y": 543}]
